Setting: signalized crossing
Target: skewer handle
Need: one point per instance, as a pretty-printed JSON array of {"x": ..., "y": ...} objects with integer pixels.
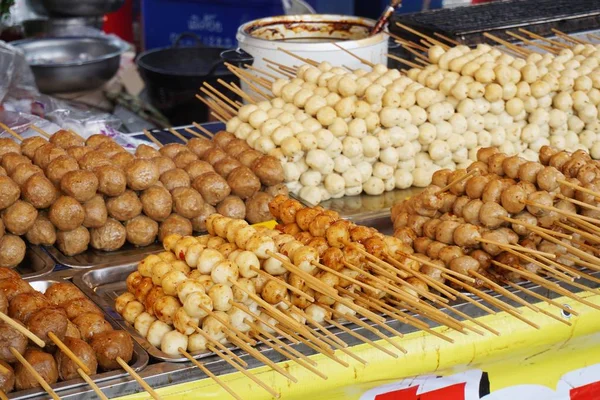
[
  {"x": 22, "y": 329},
  {"x": 63, "y": 347},
  {"x": 11, "y": 132},
  {"x": 35, "y": 374},
  {"x": 138, "y": 378},
  {"x": 92, "y": 384}
]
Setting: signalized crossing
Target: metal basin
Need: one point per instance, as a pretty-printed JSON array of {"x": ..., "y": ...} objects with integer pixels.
[
  {"x": 60, "y": 27},
  {"x": 71, "y": 64},
  {"x": 78, "y": 8}
]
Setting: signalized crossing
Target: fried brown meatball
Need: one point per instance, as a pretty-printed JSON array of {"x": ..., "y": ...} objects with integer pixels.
[
  {"x": 9, "y": 146},
  {"x": 59, "y": 167},
  {"x": 249, "y": 157},
  {"x": 257, "y": 208},
  {"x": 157, "y": 203},
  {"x": 63, "y": 292},
  {"x": 66, "y": 139},
  {"x": 269, "y": 170},
  {"x": 47, "y": 153},
  {"x": 19, "y": 217},
  {"x": 42, "y": 232},
  {"x": 39, "y": 191},
  {"x": 73, "y": 242},
  {"x": 122, "y": 160},
  {"x": 222, "y": 138},
  {"x": 175, "y": 178},
  {"x": 111, "y": 180},
  {"x": 80, "y": 305},
  {"x": 232, "y": 207},
  {"x": 11, "y": 161},
  {"x": 93, "y": 160},
  {"x": 67, "y": 368},
  {"x": 110, "y": 149},
  {"x": 199, "y": 146},
  {"x": 172, "y": 149},
  {"x": 31, "y": 144},
  {"x": 212, "y": 187},
  {"x": 187, "y": 202},
  {"x": 199, "y": 223},
  {"x": 243, "y": 182},
  {"x": 66, "y": 213},
  {"x": 184, "y": 158},
  {"x": 141, "y": 231},
  {"x": 108, "y": 346},
  {"x": 81, "y": 185},
  {"x": 9, "y": 192},
  {"x": 14, "y": 287},
  {"x": 197, "y": 168},
  {"x": 12, "y": 251},
  {"x": 96, "y": 140},
  {"x": 214, "y": 155},
  {"x": 7, "y": 273},
  {"x": 174, "y": 224},
  {"x": 236, "y": 147},
  {"x": 109, "y": 237},
  {"x": 10, "y": 337},
  {"x": 72, "y": 331},
  {"x": 277, "y": 190},
  {"x": 24, "y": 305},
  {"x": 48, "y": 320},
  {"x": 95, "y": 212},
  {"x": 146, "y": 151},
  {"x": 125, "y": 206},
  {"x": 3, "y": 303},
  {"x": 78, "y": 152},
  {"x": 7, "y": 380},
  {"x": 163, "y": 164},
  {"x": 90, "y": 324},
  {"x": 43, "y": 363},
  {"x": 226, "y": 166},
  {"x": 141, "y": 174},
  {"x": 25, "y": 172}
]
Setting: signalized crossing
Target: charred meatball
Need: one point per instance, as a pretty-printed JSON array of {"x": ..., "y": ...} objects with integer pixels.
[
  {"x": 110, "y": 149},
  {"x": 42, "y": 232},
  {"x": 19, "y": 217},
  {"x": 125, "y": 206},
  {"x": 187, "y": 202},
  {"x": 80, "y": 306},
  {"x": 157, "y": 203},
  {"x": 39, "y": 191},
  {"x": 95, "y": 212},
  {"x": 212, "y": 187},
  {"x": 111, "y": 180},
  {"x": 232, "y": 207},
  {"x": 43, "y": 363},
  {"x": 14, "y": 287},
  {"x": 175, "y": 178},
  {"x": 223, "y": 138},
  {"x": 73, "y": 242},
  {"x": 59, "y": 167},
  {"x": 141, "y": 231},
  {"x": 109, "y": 237},
  {"x": 277, "y": 190},
  {"x": 66, "y": 213},
  {"x": 141, "y": 174},
  {"x": 174, "y": 224},
  {"x": 93, "y": 160}
]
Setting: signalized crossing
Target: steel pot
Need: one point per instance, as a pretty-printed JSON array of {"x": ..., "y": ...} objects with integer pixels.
[
  {"x": 78, "y": 8},
  {"x": 55, "y": 27}
]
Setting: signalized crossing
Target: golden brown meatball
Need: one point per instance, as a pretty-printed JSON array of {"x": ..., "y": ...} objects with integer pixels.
[
  {"x": 197, "y": 168},
  {"x": 122, "y": 160},
  {"x": 66, "y": 213},
  {"x": 80, "y": 184},
  {"x": 110, "y": 345},
  {"x": 39, "y": 191},
  {"x": 73, "y": 242},
  {"x": 19, "y": 217},
  {"x": 12, "y": 251},
  {"x": 236, "y": 147},
  {"x": 141, "y": 231},
  {"x": 42, "y": 232},
  {"x": 257, "y": 208},
  {"x": 61, "y": 293},
  {"x": 232, "y": 207},
  {"x": 184, "y": 158},
  {"x": 199, "y": 223},
  {"x": 31, "y": 144},
  {"x": 110, "y": 149},
  {"x": 66, "y": 139},
  {"x": 269, "y": 170},
  {"x": 109, "y": 237},
  {"x": 11, "y": 161},
  {"x": 93, "y": 160},
  {"x": 111, "y": 180},
  {"x": 47, "y": 153},
  {"x": 50, "y": 319},
  {"x": 59, "y": 167},
  {"x": 90, "y": 324},
  {"x": 226, "y": 166},
  {"x": 214, "y": 155},
  {"x": 141, "y": 174},
  {"x": 95, "y": 212},
  {"x": 223, "y": 138},
  {"x": 9, "y": 192},
  {"x": 78, "y": 152},
  {"x": 157, "y": 203},
  {"x": 163, "y": 164},
  {"x": 145, "y": 151},
  {"x": 187, "y": 202},
  {"x": 96, "y": 140},
  {"x": 12, "y": 338},
  {"x": 43, "y": 363},
  {"x": 199, "y": 146},
  {"x": 172, "y": 149},
  {"x": 212, "y": 187},
  {"x": 175, "y": 178},
  {"x": 243, "y": 182},
  {"x": 125, "y": 206},
  {"x": 9, "y": 146},
  {"x": 67, "y": 369},
  {"x": 249, "y": 157},
  {"x": 25, "y": 172},
  {"x": 174, "y": 224},
  {"x": 24, "y": 305}
]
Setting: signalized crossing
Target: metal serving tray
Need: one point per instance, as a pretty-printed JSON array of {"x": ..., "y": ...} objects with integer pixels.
[
  {"x": 36, "y": 263},
  {"x": 78, "y": 387},
  {"x": 98, "y": 258}
]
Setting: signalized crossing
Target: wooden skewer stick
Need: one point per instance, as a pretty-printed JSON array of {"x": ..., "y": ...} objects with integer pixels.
[
  {"x": 4, "y": 370},
  {"x": 250, "y": 84},
  {"x": 549, "y": 49},
  {"x": 178, "y": 135},
  {"x": 360, "y": 337},
  {"x": 530, "y": 226},
  {"x": 430, "y": 39},
  {"x": 288, "y": 75},
  {"x": 586, "y": 246},
  {"x": 209, "y": 339},
  {"x": 400, "y": 40},
  {"x": 40, "y": 131},
  {"x": 297, "y": 57},
  {"x": 592, "y": 36},
  {"x": 11, "y": 132},
  {"x": 13, "y": 324},
  {"x": 579, "y": 188},
  {"x": 281, "y": 66},
  {"x": 579, "y": 285},
  {"x": 426, "y": 43},
  {"x": 515, "y": 247},
  {"x": 440, "y": 287},
  {"x": 225, "y": 106},
  {"x": 260, "y": 81},
  {"x": 403, "y": 61},
  {"x": 362, "y": 60},
  {"x": 3, "y": 395},
  {"x": 152, "y": 138},
  {"x": 457, "y": 180},
  {"x": 308, "y": 343},
  {"x": 540, "y": 297},
  {"x": 209, "y": 373},
  {"x": 221, "y": 95},
  {"x": 260, "y": 71},
  {"x": 577, "y": 202},
  {"x": 447, "y": 39},
  {"x": 326, "y": 332},
  {"x": 517, "y": 49},
  {"x": 446, "y": 270},
  {"x": 236, "y": 91},
  {"x": 562, "y": 212},
  {"x": 582, "y": 275},
  {"x": 266, "y": 323},
  {"x": 584, "y": 225},
  {"x": 34, "y": 373},
  {"x": 193, "y": 133},
  {"x": 138, "y": 378},
  {"x": 92, "y": 384},
  {"x": 416, "y": 54},
  {"x": 228, "y": 325},
  {"x": 568, "y": 38},
  {"x": 588, "y": 236},
  {"x": 287, "y": 285},
  {"x": 543, "y": 39},
  {"x": 203, "y": 129},
  {"x": 63, "y": 347},
  {"x": 556, "y": 274},
  {"x": 220, "y": 113}
]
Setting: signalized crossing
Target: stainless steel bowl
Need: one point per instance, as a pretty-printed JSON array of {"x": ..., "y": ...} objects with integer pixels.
[
  {"x": 71, "y": 64},
  {"x": 60, "y": 27},
  {"x": 77, "y": 8}
]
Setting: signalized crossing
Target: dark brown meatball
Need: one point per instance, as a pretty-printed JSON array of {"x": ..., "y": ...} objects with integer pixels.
[
  {"x": 66, "y": 139},
  {"x": 95, "y": 212},
  {"x": 59, "y": 167},
  {"x": 80, "y": 305},
  {"x": 243, "y": 182},
  {"x": 63, "y": 292},
  {"x": 157, "y": 203},
  {"x": 67, "y": 369},
  {"x": 214, "y": 155},
  {"x": 145, "y": 151},
  {"x": 9, "y": 146},
  {"x": 10, "y": 337},
  {"x": 43, "y": 363},
  {"x": 19, "y": 217},
  {"x": 72, "y": 331},
  {"x": 249, "y": 157},
  {"x": 236, "y": 147},
  {"x": 269, "y": 170},
  {"x": 7, "y": 380},
  {"x": 226, "y": 166},
  {"x": 42, "y": 232},
  {"x": 197, "y": 168},
  {"x": 73, "y": 242},
  {"x": 232, "y": 207},
  {"x": 187, "y": 202},
  {"x": 163, "y": 164},
  {"x": 222, "y": 138},
  {"x": 175, "y": 178},
  {"x": 277, "y": 190},
  {"x": 184, "y": 158},
  {"x": 78, "y": 152},
  {"x": 31, "y": 144},
  {"x": 96, "y": 140},
  {"x": 3, "y": 303},
  {"x": 93, "y": 160},
  {"x": 25, "y": 172},
  {"x": 122, "y": 160},
  {"x": 109, "y": 237},
  {"x": 39, "y": 191},
  {"x": 199, "y": 146},
  {"x": 47, "y": 153},
  {"x": 24, "y": 305},
  {"x": 199, "y": 223},
  {"x": 90, "y": 324},
  {"x": 111, "y": 180},
  {"x": 110, "y": 149},
  {"x": 81, "y": 185},
  {"x": 175, "y": 224},
  {"x": 11, "y": 161},
  {"x": 141, "y": 231},
  {"x": 141, "y": 174},
  {"x": 110, "y": 345},
  {"x": 212, "y": 187},
  {"x": 257, "y": 208},
  {"x": 125, "y": 206},
  {"x": 66, "y": 213},
  {"x": 9, "y": 192},
  {"x": 48, "y": 320},
  {"x": 12, "y": 251}
]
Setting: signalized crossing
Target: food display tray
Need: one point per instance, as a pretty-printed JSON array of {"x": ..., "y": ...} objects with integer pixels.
[
  {"x": 78, "y": 387},
  {"x": 36, "y": 263},
  {"x": 98, "y": 258}
]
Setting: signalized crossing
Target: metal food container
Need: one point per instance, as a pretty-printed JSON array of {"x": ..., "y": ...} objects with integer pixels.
[
  {"x": 78, "y": 388},
  {"x": 36, "y": 263},
  {"x": 103, "y": 259}
]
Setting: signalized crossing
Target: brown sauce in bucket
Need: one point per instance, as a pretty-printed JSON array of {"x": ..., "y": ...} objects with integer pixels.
[{"x": 308, "y": 31}]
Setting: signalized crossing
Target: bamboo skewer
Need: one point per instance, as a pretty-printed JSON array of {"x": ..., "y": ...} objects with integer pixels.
[
  {"x": 446, "y": 270},
  {"x": 362, "y": 60},
  {"x": 528, "y": 225},
  {"x": 568, "y": 38},
  {"x": 63, "y": 347},
  {"x": 250, "y": 84},
  {"x": 577, "y": 202},
  {"x": 209, "y": 373},
  {"x": 549, "y": 49},
  {"x": 288, "y": 75},
  {"x": 403, "y": 61},
  {"x": 516, "y": 247},
  {"x": 222, "y": 347},
  {"x": 419, "y": 56},
  {"x": 13, "y": 324},
  {"x": 225, "y": 106},
  {"x": 40, "y": 131},
  {"x": 281, "y": 66},
  {"x": 92, "y": 384},
  {"x": 260, "y": 71},
  {"x": 318, "y": 350},
  {"x": 422, "y": 35},
  {"x": 228, "y": 325},
  {"x": 177, "y": 135},
  {"x": 540, "y": 297},
  {"x": 138, "y": 378},
  {"x": 447, "y": 39},
  {"x": 579, "y": 188},
  {"x": 236, "y": 91},
  {"x": 267, "y": 323},
  {"x": 3, "y": 395},
  {"x": 326, "y": 332},
  {"x": 588, "y": 236},
  {"x": 516, "y": 49},
  {"x": 11, "y": 132},
  {"x": 562, "y": 212},
  {"x": 582, "y": 275},
  {"x": 360, "y": 337},
  {"x": 220, "y": 113},
  {"x": 543, "y": 39},
  {"x": 152, "y": 138},
  {"x": 203, "y": 129},
  {"x": 34, "y": 373},
  {"x": 543, "y": 266},
  {"x": 259, "y": 80},
  {"x": 193, "y": 133},
  {"x": 221, "y": 95},
  {"x": 4, "y": 370},
  {"x": 287, "y": 285},
  {"x": 297, "y": 57}
]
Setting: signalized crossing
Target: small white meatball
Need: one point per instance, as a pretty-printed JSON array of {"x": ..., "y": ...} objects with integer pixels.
[
  {"x": 334, "y": 183},
  {"x": 132, "y": 310},
  {"x": 185, "y": 323},
  {"x": 156, "y": 332},
  {"x": 143, "y": 322},
  {"x": 422, "y": 177},
  {"x": 198, "y": 304},
  {"x": 374, "y": 186},
  {"x": 171, "y": 281},
  {"x": 188, "y": 287}
]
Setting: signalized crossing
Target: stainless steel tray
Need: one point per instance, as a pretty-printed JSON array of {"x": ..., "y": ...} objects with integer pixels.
[
  {"x": 97, "y": 258},
  {"x": 36, "y": 263},
  {"x": 139, "y": 361}
]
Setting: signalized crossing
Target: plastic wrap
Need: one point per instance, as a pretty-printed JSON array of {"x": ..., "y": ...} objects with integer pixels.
[{"x": 17, "y": 78}]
